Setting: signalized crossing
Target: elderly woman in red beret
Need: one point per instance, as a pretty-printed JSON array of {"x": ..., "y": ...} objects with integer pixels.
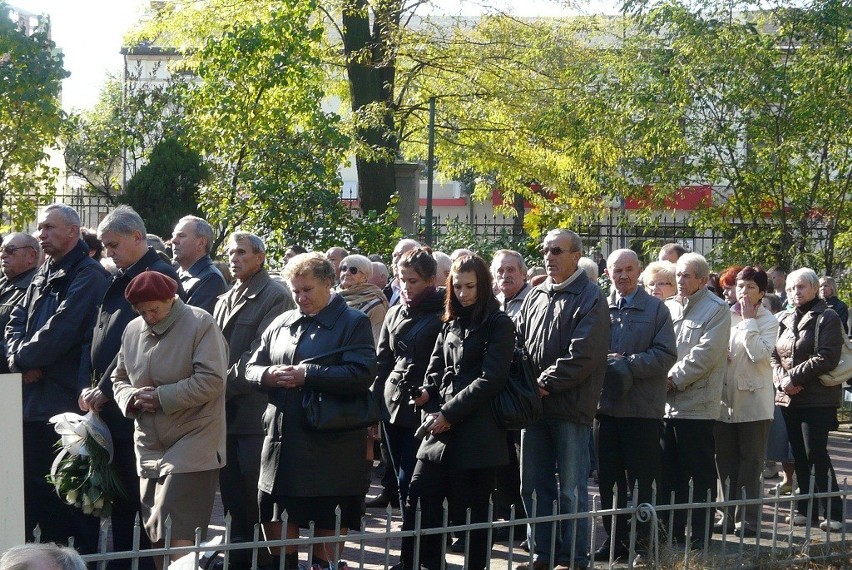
[{"x": 170, "y": 378}]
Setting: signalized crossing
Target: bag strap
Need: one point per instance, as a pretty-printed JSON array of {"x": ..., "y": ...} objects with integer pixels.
[
  {"x": 412, "y": 332},
  {"x": 816, "y": 332},
  {"x": 338, "y": 351}
]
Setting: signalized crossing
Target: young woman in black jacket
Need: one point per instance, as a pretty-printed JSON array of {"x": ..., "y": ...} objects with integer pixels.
[
  {"x": 405, "y": 345},
  {"x": 464, "y": 445}
]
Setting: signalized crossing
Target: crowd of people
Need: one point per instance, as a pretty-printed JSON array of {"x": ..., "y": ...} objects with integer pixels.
[{"x": 673, "y": 383}]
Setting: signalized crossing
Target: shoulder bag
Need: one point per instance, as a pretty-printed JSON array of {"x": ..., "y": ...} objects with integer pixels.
[
  {"x": 328, "y": 412},
  {"x": 519, "y": 404},
  {"x": 843, "y": 371}
]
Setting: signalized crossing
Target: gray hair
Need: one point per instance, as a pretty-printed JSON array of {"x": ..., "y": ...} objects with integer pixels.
[
  {"x": 68, "y": 213},
  {"x": 124, "y": 220},
  {"x": 362, "y": 262},
  {"x": 697, "y": 262},
  {"x": 495, "y": 261},
  {"x": 830, "y": 281},
  {"x": 576, "y": 242},
  {"x": 155, "y": 241},
  {"x": 406, "y": 243},
  {"x": 589, "y": 266},
  {"x": 380, "y": 268},
  {"x": 256, "y": 243},
  {"x": 203, "y": 229},
  {"x": 24, "y": 557},
  {"x": 442, "y": 260},
  {"x": 805, "y": 273},
  {"x": 613, "y": 257},
  {"x": 29, "y": 241},
  {"x": 338, "y": 250}
]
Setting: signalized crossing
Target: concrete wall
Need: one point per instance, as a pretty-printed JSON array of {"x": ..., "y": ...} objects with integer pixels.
[{"x": 12, "y": 465}]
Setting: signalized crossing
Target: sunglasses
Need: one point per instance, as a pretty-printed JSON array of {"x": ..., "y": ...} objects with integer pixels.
[
  {"x": 10, "y": 249},
  {"x": 554, "y": 250},
  {"x": 351, "y": 269}
]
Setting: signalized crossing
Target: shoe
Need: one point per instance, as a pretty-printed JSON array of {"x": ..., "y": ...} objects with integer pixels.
[
  {"x": 639, "y": 561},
  {"x": 381, "y": 501},
  {"x": 784, "y": 488},
  {"x": 720, "y": 525},
  {"x": 458, "y": 545},
  {"x": 828, "y": 524},
  {"x": 602, "y": 553},
  {"x": 536, "y": 565},
  {"x": 525, "y": 545},
  {"x": 796, "y": 520},
  {"x": 746, "y": 531}
]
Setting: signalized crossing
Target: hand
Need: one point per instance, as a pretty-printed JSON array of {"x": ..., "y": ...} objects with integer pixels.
[
  {"x": 748, "y": 310},
  {"x": 92, "y": 400},
  {"x": 373, "y": 432},
  {"x": 146, "y": 399},
  {"x": 542, "y": 393},
  {"x": 32, "y": 376},
  {"x": 440, "y": 425},
  {"x": 791, "y": 389},
  {"x": 289, "y": 376},
  {"x": 421, "y": 400}
]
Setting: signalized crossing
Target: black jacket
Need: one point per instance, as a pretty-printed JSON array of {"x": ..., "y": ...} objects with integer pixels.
[
  {"x": 469, "y": 367},
  {"x": 12, "y": 292},
  {"x": 296, "y": 461},
  {"x": 202, "y": 284},
  {"x": 400, "y": 367},
  {"x": 113, "y": 315},
  {"x": 51, "y": 330}
]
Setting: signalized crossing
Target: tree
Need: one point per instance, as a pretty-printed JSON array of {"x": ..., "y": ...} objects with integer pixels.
[
  {"x": 110, "y": 142},
  {"x": 31, "y": 73},
  {"x": 166, "y": 187}
]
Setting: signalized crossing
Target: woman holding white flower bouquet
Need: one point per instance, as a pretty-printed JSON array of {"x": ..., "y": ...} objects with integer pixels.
[{"x": 170, "y": 378}]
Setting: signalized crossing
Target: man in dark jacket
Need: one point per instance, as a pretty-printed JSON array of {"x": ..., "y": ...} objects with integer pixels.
[
  {"x": 122, "y": 232},
  {"x": 202, "y": 283},
  {"x": 19, "y": 260},
  {"x": 633, "y": 400},
  {"x": 48, "y": 339},
  {"x": 565, "y": 325},
  {"x": 243, "y": 313}
]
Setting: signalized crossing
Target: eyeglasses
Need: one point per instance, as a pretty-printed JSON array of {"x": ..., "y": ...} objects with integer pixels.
[
  {"x": 10, "y": 249},
  {"x": 554, "y": 250},
  {"x": 656, "y": 284},
  {"x": 351, "y": 269}
]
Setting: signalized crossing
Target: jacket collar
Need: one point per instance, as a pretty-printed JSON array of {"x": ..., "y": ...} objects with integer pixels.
[
  {"x": 789, "y": 316},
  {"x": 59, "y": 270},
  {"x": 143, "y": 263},
  {"x": 638, "y": 299},
  {"x": 575, "y": 287},
  {"x": 21, "y": 281},
  {"x": 326, "y": 318},
  {"x": 196, "y": 268},
  {"x": 178, "y": 308}
]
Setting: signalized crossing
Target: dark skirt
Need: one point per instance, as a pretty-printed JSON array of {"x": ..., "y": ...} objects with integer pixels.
[{"x": 320, "y": 510}]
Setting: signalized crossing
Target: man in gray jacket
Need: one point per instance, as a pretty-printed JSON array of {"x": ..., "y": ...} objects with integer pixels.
[
  {"x": 243, "y": 313},
  {"x": 627, "y": 428},
  {"x": 565, "y": 325},
  {"x": 702, "y": 324}
]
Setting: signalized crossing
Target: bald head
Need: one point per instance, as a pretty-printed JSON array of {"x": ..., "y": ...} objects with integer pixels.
[{"x": 623, "y": 268}]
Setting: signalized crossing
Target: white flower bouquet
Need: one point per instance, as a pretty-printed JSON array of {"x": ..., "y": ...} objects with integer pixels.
[{"x": 82, "y": 472}]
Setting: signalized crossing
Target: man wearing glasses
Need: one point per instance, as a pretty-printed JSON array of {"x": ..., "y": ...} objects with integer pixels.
[
  {"x": 18, "y": 259},
  {"x": 565, "y": 324}
]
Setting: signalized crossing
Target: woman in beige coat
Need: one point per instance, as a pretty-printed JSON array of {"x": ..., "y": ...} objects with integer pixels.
[{"x": 170, "y": 378}]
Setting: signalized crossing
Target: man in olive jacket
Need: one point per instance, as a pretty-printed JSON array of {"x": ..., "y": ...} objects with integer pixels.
[
  {"x": 243, "y": 313},
  {"x": 633, "y": 399},
  {"x": 565, "y": 325},
  {"x": 48, "y": 340}
]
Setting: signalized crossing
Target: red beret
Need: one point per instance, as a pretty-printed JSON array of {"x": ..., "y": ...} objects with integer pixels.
[{"x": 150, "y": 286}]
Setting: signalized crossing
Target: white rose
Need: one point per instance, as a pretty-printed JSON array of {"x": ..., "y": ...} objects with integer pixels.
[{"x": 71, "y": 497}]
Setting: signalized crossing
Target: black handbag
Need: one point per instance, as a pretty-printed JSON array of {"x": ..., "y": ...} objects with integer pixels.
[
  {"x": 328, "y": 412},
  {"x": 519, "y": 404}
]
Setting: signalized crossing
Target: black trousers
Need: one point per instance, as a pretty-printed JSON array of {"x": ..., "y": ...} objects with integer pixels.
[
  {"x": 630, "y": 445},
  {"x": 808, "y": 430},
  {"x": 508, "y": 491},
  {"x": 466, "y": 489},
  {"x": 688, "y": 453},
  {"x": 42, "y": 506}
]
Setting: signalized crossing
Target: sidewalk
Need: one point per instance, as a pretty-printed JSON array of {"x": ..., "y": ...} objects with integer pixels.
[{"x": 374, "y": 557}]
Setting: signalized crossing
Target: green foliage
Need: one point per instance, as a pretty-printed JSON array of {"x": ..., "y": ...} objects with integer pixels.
[
  {"x": 166, "y": 188},
  {"x": 31, "y": 73},
  {"x": 130, "y": 118},
  {"x": 457, "y": 234}
]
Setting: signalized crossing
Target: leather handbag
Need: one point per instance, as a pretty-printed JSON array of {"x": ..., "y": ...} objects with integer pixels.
[
  {"x": 843, "y": 371},
  {"x": 329, "y": 412},
  {"x": 519, "y": 404}
]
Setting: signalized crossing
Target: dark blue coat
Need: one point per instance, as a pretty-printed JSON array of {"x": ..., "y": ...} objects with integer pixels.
[
  {"x": 52, "y": 331},
  {"x": 202, "y": 284}
]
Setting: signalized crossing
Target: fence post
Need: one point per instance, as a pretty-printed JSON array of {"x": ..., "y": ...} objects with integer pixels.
[{"x": 12, "y": 530}]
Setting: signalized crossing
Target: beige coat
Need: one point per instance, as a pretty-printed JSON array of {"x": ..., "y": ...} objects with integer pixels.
[
  {"x": 186, "y": 358},
  {"x": 748, "y": 394}
]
